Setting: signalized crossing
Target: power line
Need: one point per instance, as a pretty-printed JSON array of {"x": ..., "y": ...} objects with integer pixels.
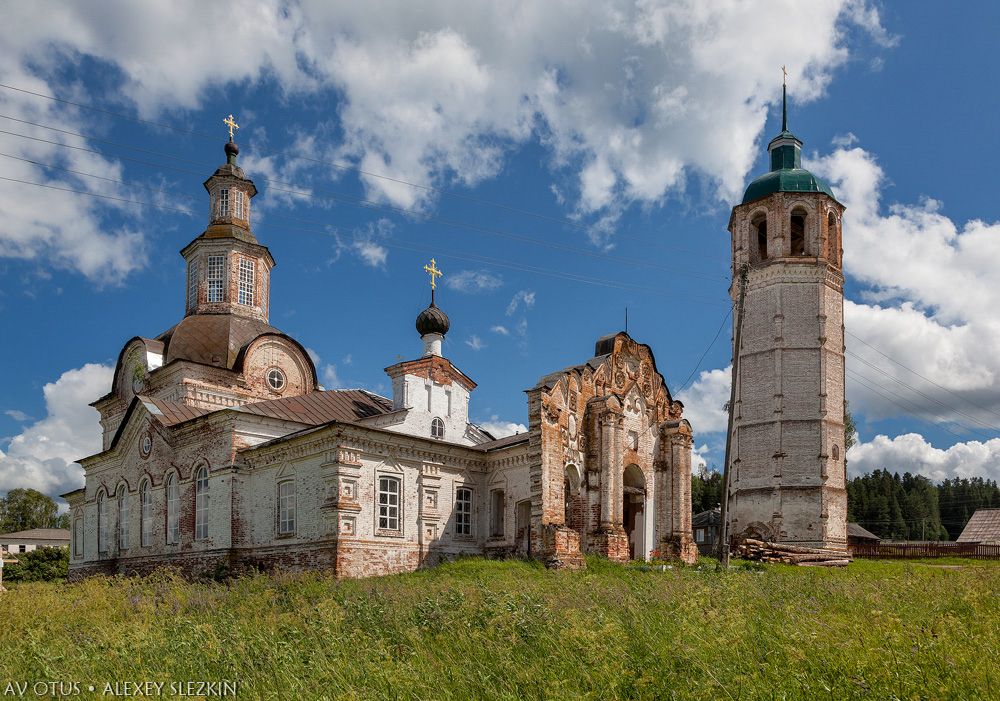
[
  {"x": 461, "y": 256},
  {"x": 922, "y": 377},
  {"x": 702, "y": 358},
  {"x": 356, "y": 201},
  {"x": 922, "y": 394},
  {"x": 333, "y": 164}
]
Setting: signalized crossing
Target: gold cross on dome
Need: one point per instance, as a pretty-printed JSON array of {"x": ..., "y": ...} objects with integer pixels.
[
  {"x": 784, "y": 79},
  {"x": 231, "y": 123},
  {"x": 433, "y": 272}
]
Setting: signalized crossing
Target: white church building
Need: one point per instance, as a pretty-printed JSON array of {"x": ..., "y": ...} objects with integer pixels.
[{"x": 221, "y": 451}]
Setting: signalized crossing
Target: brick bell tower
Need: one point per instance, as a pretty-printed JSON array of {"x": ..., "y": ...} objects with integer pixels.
[{"x": 787, "y": 472}]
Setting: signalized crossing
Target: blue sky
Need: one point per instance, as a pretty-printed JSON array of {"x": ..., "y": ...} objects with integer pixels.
[{"x": 560, "y": 165}]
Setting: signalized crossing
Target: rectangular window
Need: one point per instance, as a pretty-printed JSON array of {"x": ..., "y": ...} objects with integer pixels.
[
  {"x": 286, "y": 507},
  {"x": 463, "y": 511},
  {"x": 388, "y": 504},
  {"x": 238, "y": 204},
  {"x": 146, "y": 515},
  {"x": 430, "y": 389},
  {"x": 123, "y": 521},
  {"x": 192, "y": 300},
  {"x": 223, "y": 202},
  {"x": 246, "y": 282},
  {"x": 216, "y": 278},
  {"x": 497, "y": 507},
  {"x": 699, "y": 535},
  {"x": 173, "y": 511}
]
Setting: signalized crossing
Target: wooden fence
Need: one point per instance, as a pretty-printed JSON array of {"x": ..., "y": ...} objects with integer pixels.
[{"x": 897, "y": 551}]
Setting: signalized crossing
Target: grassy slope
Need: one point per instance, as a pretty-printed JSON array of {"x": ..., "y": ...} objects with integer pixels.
[{"x": 478, "y": 629}]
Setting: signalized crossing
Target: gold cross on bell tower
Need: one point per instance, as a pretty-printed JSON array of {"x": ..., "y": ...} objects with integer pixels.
[
  {"x": 434, "y": 273},
  {"x": 231, "y": 123}
]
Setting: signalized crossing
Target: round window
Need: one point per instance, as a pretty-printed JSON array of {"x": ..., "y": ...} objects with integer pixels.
[
  {"x": 146, "y": 445},
  {"x": 276, "y": 379}
]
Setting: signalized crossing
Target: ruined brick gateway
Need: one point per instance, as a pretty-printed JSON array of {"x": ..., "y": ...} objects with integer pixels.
[{"x": 221, "y": 450}]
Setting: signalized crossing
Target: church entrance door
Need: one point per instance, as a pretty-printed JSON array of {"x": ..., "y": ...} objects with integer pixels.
[{"x": 633, "y": 513}]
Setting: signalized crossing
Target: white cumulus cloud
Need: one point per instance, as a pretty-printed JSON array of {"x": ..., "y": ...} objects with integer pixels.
[
  {"x": 473, "y": 281},
  {"x": 912, "y": 453},
  {"x": 41, "y": 457},
  {"x": 499, "y": 428},
  {"x": 705, "y": 400}
]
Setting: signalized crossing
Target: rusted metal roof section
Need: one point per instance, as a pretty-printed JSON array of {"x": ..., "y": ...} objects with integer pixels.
[
  {"x": 169, "y": 413},
  {"x": 212, "y": 339},
  {"x": 983, "y": 527},
  {"x": 317, "y": 408}
]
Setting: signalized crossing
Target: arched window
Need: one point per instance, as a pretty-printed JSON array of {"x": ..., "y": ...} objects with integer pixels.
[
  {"x": 238, "y": 203},
  {"x": 572, "y": 499},
  {"x": 78, "y": 537},
  {"x": 123, "y": 516},
  {"x": 145, "y": 514},
  {"x": 437, "y": 429},
  {"x": 286, "y": 507},
  {"x": 173, "y": 510},
  {"x": 102, "y": 524},
  {"x": 759, "y": 229},
  {"x": 832, "y": 242},
  {"x": 798, "y": 232},
  {"x": 201, "y": 504}
]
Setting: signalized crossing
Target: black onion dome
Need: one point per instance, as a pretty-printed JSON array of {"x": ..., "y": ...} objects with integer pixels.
[
  {"x": 232, "y": 149},
  {"x": 432, "y": 320}
]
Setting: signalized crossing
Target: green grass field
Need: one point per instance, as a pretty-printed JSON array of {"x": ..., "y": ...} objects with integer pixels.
[{"x": 480, "y": 629}]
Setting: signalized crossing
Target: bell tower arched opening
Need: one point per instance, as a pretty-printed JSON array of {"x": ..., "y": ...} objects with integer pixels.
[
  {"x": 758, "y": 228},
  {"x": 798, "y": 232}
]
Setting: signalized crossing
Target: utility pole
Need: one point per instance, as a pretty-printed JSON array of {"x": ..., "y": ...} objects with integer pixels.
[{"x": 724, "y": 511}]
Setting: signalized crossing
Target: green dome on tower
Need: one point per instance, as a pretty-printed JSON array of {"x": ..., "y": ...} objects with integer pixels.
[{"x": 787, "y": 173}]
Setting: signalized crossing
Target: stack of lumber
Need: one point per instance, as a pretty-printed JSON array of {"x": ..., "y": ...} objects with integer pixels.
[{"x": 761, "y": 551}]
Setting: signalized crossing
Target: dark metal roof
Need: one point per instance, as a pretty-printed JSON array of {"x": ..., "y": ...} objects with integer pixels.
[
  {"x": 983, "y": 527},
  {"x": 506, "y": 442},
  {"x": 712, "y": 517},
  {"x": 433, "y": 320},
  {"x": 317, "y": 408},
  {"x": 856, "y": 531}
]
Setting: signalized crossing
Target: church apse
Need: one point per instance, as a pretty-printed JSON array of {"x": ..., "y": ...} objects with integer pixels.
[{"x": 611, "y": 460}]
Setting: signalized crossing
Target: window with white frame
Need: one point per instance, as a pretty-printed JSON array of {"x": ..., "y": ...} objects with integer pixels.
[
  {"x": 201, "y": 504},
  {"x": 286, "y": 507},
  {"x": 437, "y": 429},
  {"x": 123, "y": 518},
  {"x": 145, "y": 514},
  {"x": 238, "y": 204},
  {"x": 192, "y": 300},
  {"x": 463, "y": 511},
  {"x": 216, "y": 278},
  {"x": 224, "y": 202},
  {"x": 699, "y": 535},
  {"x": 246, "y": 281},
  {"x": 388, "y": 503},
  {"x": 102, "y": 524},
  {"x": 173, "y": 510}
]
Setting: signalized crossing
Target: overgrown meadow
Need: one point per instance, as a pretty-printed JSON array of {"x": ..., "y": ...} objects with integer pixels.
[{"x": 481, "y": 629}]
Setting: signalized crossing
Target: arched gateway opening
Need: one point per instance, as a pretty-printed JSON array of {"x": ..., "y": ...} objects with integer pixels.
[{"x": 633, "y": 513}]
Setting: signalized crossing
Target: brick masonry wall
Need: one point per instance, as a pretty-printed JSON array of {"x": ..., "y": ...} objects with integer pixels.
[{"x": 788, "y": 472}]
